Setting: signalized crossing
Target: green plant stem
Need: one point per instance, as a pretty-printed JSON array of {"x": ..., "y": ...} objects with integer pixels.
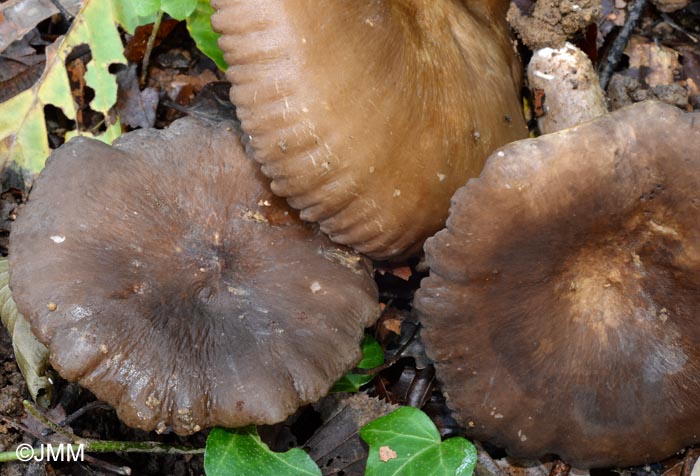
[
  {"x": 108, "y": 446},
  {"x": 101, "y": 446},
  {"x": 149, "y": 47},
  {"x": 34, "y": 411}
]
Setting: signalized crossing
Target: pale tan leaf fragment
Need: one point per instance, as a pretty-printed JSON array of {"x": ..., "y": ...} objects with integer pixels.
[
  {"x": 656, "y": 65},
  {"x": 386, "y": 454},
  {"x": 31, "y": 355}
]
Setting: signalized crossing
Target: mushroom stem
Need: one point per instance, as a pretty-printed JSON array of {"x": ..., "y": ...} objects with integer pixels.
[{"x": 571, "y": 92}]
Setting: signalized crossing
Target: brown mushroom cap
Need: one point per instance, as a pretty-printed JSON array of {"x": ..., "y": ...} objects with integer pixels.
[
  {"x": 166, "y": 278},
  {"x": 368, "y": 115},
  {"x": 562, "y": 307}
]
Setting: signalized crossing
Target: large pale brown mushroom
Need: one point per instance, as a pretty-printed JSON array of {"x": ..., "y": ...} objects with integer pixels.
[
  {"x": 164, "y": 276},
  {"x": 563, "y": 303},
  {"x": 368, "y": 114}
]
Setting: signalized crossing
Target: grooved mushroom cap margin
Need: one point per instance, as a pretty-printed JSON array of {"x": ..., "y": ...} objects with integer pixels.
[{"x": 368, "y": 115}]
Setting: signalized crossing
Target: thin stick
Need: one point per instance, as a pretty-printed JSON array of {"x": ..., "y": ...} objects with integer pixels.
[
  {"x": 618, "y": 46},
  {"x": 82, "y": 411},
  {"x": 124, "y": 470},
  {"x": 61, "y": 9},
  {"x": 677, "y": 27},
  {"x": 89, "y": 445},
  {"x": 34, "y": 411},
  {"x": 421, "y": 387},
  {"x": 486, "y": 462},
  {"x": 149, "y": 48}
]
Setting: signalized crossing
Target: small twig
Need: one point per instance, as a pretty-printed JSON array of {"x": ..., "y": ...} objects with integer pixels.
[
  {"x": 618, "y": 46},
  {"x": 421, "y": 387},
  {"x": 382, "y": 391},
  {"x": 669, "y": 21},
  {"x": 125, "y": 470},
  {"x": 149, "y": 48},
  {"x": 19, "y": 427},
  {"x": 77, "y": 414},
  {"x": 89, "y": 445},
  {"x": 102, "y": 122},
  {"x": 689, "y": 461},
  {"x": 486, "y": 461},
  {"x": 82, "y": 411},
  {"x": 111, "y": 446},
  {"x": 62, "y": 10},
  {"x": 36, "y": 413}
]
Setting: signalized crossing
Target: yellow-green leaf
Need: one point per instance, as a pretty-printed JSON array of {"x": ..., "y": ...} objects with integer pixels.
[{"x": 23, "y": 134}]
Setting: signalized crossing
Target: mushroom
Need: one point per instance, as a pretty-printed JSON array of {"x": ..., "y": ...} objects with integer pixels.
[
  {"x": 165, "y": 277},
  {"x": 567, "y": 85},
  {"x": 563, "y": 316},
  {"x": 368, "y": 115}
]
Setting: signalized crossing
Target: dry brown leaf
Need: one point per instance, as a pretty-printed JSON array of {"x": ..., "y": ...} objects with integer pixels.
[
  {"x": 402, "y": 272},
  {"x": 21, "y": 16},
  {"x": 136, "y": 108},
  {"x": 393, "y": 324}
]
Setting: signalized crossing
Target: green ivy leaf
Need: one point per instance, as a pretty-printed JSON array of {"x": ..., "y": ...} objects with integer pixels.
[
  {"x": 241, "y": 452},
  {"x": 207, "y": 40},
  {"x": 372, "y": 356},
  {"x": 144, "y": 8},
  {"x": 133, "y": 13},
  {"x": 406, "y": 442},
  {"x": 178, "y": 9}
]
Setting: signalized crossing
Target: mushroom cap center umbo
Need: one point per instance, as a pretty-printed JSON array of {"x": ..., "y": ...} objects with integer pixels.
[
  {"x": 619, "y": 288},
  {"x": 165, "y": 277},
  {"x": 561, "y": 307},
  {"x": 617, "y": 296}
]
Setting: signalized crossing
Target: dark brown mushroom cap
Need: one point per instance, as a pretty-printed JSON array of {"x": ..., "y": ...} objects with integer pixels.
[
  {"x": 368, "y": 115},
  {"x": 166, "y": 278},
  {"x": 562, "y": 307}
]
